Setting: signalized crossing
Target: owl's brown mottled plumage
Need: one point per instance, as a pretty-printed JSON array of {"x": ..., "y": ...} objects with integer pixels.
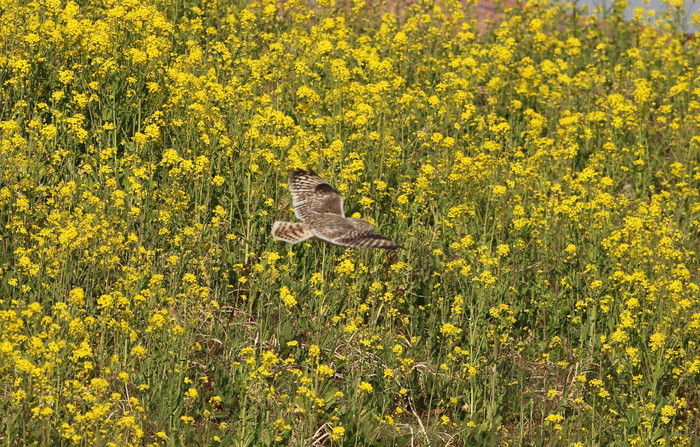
[{"x": 320, "y": 208}]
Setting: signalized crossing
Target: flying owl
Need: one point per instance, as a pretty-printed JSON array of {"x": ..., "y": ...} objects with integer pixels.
[{"x": 320, "y": 208}]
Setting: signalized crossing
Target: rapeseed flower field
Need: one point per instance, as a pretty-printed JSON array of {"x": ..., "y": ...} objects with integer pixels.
[{"x": 542, "y": 174}]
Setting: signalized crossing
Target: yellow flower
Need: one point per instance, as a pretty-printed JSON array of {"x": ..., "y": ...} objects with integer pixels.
[
  {"x": 316, "y": 278},
  {"x": 138, "y": 351},
  {"x": 337, "y": 432},
  {"x": 188, "y": 420},
  {"x": 554, "y": 418},
  {"x": 399, "y": 266},
  {"x": 667, "y": 412},
  {"x": 49, "y": 131},
  {"x": 66, "y": 76},
  {"x": 189, "y": 278},
  {"x": 364, "y": 386},
  {"x": 287, "y": 297},
  {"x": 498, "y": 190},
  {"x": 324, "y": 370},
  {"x": 656, "y": 341},
  {"x": 314, "y": 351},
  {"x": 449, "y": 329},
  {"x": 345, "y": 267},
  {"x": 366, "y": 202}
]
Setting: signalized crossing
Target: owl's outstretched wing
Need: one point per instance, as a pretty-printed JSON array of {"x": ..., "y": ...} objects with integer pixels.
[
  {"x": 348, "y": 232},
  {"x": 312, "y": 195},
  {"x": 291, "y": 232}
]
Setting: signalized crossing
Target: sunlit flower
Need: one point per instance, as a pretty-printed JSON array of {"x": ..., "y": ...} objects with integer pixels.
[{"x": 364, "y": 386}]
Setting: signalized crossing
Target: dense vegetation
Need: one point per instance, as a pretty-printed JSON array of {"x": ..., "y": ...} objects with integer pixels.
[{"x": 541, "y": 173}]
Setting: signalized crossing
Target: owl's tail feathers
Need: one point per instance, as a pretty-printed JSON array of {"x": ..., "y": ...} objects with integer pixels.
[{"x": 291, "y": 232}]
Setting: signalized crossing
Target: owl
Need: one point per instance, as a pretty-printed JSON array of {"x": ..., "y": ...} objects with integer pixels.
[{"x": 320, "y": 208}]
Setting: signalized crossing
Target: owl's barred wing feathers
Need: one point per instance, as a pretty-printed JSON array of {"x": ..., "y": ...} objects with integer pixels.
[
  {"x": 291, "y": 232},
  {"x": 312, "y": 195},
  {"x": 367, "y": 240},
  {"x": 349, "y": 232}
]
